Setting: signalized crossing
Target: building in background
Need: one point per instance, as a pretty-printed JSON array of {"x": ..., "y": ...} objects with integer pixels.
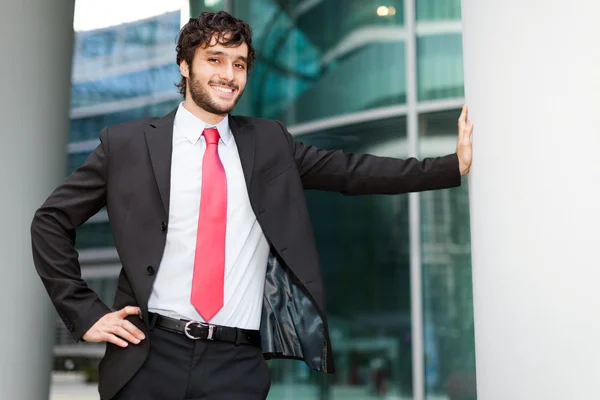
[{"x": 338, "y": 74}]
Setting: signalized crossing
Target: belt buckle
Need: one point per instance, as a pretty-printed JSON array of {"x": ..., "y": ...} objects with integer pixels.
[{"x": 209, "y": 336}]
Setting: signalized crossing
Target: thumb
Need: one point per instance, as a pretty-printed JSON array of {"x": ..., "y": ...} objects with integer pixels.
[{"x": 128, "y": 310}]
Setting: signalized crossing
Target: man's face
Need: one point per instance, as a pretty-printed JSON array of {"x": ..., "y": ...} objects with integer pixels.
[{"x": 217, "y": 76}]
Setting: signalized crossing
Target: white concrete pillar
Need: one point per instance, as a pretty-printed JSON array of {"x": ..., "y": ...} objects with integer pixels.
[
  {"x": 532, "y": 78},
  {"x": 36, "y": 42}
]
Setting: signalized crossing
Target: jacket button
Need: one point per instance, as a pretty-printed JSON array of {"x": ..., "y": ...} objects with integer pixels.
[
  {"x": 150, "y": 270},
  {"x": 163, "y": 226}
]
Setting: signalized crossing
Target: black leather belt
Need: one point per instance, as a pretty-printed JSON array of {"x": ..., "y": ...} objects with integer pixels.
[{"x": 196, "y": 330}]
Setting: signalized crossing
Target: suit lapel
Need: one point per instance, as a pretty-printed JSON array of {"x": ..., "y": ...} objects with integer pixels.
[
  {"x": 244, "y": 135},
  {"x": 159, "y": 138}
]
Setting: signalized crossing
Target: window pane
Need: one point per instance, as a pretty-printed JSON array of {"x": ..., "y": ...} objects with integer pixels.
[
  {"x": 447, "y": 284},
  {"x": 98, "y": 43},
  {"x": 439, "y": 66},
  {"x": 322, "y": 61},
  {"x": 143, "y": 82},
  {"x": 436, "y": 10}
]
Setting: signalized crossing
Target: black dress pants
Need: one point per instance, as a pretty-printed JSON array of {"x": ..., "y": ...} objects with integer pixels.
[{"x": 179, "y": 368}]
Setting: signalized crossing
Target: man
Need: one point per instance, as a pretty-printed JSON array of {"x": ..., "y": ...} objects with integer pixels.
[{"x": 209, "y": 218}]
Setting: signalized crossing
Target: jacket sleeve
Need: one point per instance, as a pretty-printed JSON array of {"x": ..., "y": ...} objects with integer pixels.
[
  {"x": 357, "y": 174},
  {"x": 78, "y": 198}
]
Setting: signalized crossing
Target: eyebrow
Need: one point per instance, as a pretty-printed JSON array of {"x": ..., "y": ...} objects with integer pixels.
[{"x": 222, "y": 53}]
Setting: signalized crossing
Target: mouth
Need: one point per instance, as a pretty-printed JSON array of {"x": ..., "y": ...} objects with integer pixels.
[{"x": 223, "y": 90}]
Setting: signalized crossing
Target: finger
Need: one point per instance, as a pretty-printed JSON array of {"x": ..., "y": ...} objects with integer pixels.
[
  {"x": 462, "y": 123},
  {"x": 124, "y": 334},
  {"x": 465, "y": 130},
  {"x": 463, "y": 115},
  {"x": 110, "y": 338},
  {"x": 129, "y": 310},
  {"x": 134, "y": 330},
  {"x": 468, "y": 131}
]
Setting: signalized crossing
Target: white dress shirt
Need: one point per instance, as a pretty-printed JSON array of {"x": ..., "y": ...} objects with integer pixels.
[{"x": 246, "y": 248}]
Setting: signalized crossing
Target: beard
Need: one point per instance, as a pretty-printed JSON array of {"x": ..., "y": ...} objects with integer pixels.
[{"x": 203, "y": 99}]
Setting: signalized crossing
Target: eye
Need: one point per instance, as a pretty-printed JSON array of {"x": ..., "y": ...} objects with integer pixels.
[
  {"x": 240, "y": 66},
  {"x": 213, "y": 60}
]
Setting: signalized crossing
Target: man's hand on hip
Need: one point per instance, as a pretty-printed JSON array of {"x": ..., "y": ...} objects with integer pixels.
[{"x": 114, "y": 328}]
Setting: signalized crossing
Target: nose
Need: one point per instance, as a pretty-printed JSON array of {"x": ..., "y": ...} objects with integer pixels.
[{"x": 226, "y": 73}]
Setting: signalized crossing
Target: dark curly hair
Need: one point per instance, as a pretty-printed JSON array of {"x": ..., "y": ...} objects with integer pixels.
[{"x": 198, "y": 32}]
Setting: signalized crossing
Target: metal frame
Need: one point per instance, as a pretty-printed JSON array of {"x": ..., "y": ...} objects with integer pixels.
[{"x": 414, "y": 208}]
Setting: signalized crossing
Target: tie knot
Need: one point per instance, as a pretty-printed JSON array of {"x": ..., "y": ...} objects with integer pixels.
[{"x": 211, "y": 135}]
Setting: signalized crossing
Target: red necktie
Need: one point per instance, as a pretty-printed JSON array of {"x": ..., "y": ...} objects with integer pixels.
[{"x": 209, "y": 261}]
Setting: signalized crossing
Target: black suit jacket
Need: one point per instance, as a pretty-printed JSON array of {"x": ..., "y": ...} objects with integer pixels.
[{"x": 129, "y": 173}]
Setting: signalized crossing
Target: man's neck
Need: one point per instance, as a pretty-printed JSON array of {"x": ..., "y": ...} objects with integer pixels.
[{"x": 201, "y": 113}]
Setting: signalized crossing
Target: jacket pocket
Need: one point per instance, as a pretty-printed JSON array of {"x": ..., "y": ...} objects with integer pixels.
[{"x": 274, "y": 171}]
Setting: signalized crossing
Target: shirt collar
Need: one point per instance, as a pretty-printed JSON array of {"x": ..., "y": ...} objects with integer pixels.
[{"x": 192, "y": 126}]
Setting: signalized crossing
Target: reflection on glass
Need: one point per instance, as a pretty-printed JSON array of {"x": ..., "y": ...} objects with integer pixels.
[
  {"x": 439, "y": 123},
  {"x": 97, "y": 44},
  {"x": 147, "y": 80},
  {"x": 109, "y": 50},
  {"x": 447, "y": 284},
  {"x": 439, "y": 66},
  {"x": 323, "y": 59},
  {"x": 438, "y": 10},
  {"x": 126, "y": 61},
  {"x": 364, "y": 253}
]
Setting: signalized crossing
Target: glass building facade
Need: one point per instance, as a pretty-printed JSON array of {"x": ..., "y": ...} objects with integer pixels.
[{"x": 338, "y": 74}]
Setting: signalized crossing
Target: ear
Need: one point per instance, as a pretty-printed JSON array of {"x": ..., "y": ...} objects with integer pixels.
[{"x": 184, "y": 69}]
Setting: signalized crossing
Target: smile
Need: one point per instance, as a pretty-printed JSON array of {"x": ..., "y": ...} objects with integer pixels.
[{"x": 223, "y": 89}]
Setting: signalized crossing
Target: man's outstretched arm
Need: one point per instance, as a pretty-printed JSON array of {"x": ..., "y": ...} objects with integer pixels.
[{"x": 357, "y": 174}]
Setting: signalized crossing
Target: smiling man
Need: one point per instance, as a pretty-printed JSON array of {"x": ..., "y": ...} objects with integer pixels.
[
  {"x": 208, "y": 214},
  {"x": 216, "y": 72}
]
